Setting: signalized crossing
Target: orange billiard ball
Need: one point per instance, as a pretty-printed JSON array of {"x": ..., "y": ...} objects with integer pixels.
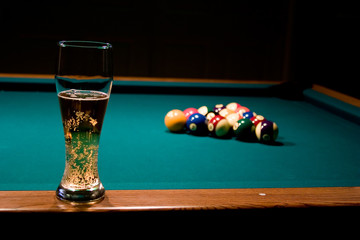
[{"x": 175, "y": 120}]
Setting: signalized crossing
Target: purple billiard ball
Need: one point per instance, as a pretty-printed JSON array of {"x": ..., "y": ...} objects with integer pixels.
[
  {"x": 266, "y": 131},
  {"x": 218, "y": 108}
]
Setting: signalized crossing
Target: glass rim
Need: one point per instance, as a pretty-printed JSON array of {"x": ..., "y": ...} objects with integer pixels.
[{"x": 85, "y": 44}]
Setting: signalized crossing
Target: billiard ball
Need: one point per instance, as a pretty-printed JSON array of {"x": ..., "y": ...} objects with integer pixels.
[
  {"x": 207, "y": 112},
  {"x": 218, "y": 108},
  {"x": 242, "y": 109},
  {"x": 244, "y": 129},
  {"x": 257, "y": 119},
  {"x": 196, "y": 124},
  {"x": 209, "y": 116},
  {"x": 224, "y": 112},
  {"x": 233, "y": 118},
  {"x": 204, "y": 110},
  {"x": 249, "y": 114},
  {"x": 190, "y": 111},
  {"x": 218, "y": 126},
  {"x": 266, "y": 131},
  {"x": 233, "y": 106},
  {"x": 175, "y": 120}
]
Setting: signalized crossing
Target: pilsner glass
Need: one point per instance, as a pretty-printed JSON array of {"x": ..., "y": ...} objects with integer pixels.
[{"x": 83, "y": 83}]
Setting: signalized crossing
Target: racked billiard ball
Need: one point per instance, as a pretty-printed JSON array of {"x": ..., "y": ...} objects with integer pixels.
[
  {"x": 209, "y": 116},
  {"x": 266, "y": 131},
  {"x": 257, "y": 119},
  {"x": 244, "y": 129},
  {"x": 196, "y": 124},
  {"x": 189, "y": 111},
  {"x": 242, "y": 110},
  {"x": 175, "y": 120},
  {"x": 205, "y": 110},
  {"x": 233, "y": 106},
  {"x": 224, "y": 112},
  {"x": 233, "y": 118},
  {"x": 249, "y": 114},
  {"x": 219, "y": 126},
  {"x": 218, "y": 108}
]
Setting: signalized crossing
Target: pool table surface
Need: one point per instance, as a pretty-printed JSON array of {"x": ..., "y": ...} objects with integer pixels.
[{"x": 315, "y": 161}]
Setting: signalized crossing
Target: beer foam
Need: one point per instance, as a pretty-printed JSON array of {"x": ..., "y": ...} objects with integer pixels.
[{"x": 83, "y": 95}]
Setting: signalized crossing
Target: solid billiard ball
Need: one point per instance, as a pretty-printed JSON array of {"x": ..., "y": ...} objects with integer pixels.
[
  {"x": 249, "y": 114},
  {"x": 196, "y": 124},
  {"x": 242, "y": 109},
  {"x": 218, "y": 108},
  {"x": 233, "y": 106},
  {"x": 233, "y": 118},
  {"x": 257, "y": 119},
  {"x": 224, "y": 112},
  {"x": 266, "y": 131},
  {"x": 218, "y": 126},
  {"x": 175, "y": 120},
  {"x": 244, "y": 129},
  {"x": 190, "y": 111}
]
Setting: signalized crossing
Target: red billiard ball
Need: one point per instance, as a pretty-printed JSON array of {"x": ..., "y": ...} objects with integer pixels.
[
  {"x": 242, "y": 110},
  {"x": 219, "y": 126},
  {"x": 190, "y": 111},
  {"x": 257, "y": 119},
  {"x": 266, "y": 131}
]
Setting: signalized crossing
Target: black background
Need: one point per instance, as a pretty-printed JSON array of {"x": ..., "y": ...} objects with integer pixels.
[{"x": 301, "y": 41}]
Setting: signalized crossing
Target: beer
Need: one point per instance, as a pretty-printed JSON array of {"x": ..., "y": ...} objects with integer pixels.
[{"x": 82, "y": 114}]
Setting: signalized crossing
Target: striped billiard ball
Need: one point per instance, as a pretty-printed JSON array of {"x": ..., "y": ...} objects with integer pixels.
[
  {"x": 233, "y": 106},
  {"x": 266, "y": 131},
  {"x": 244, "y": 129},
  {"x": 219, "y": 126},
  {"x": 257, "y": 119},
  {"x": 218, "y": 108},
  {"x": 242, "y": 110},
  {"x": 233, "y": 118}
]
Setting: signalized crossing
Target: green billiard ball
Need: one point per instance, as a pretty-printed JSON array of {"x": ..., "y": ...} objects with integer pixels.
[{"x": 244, "y": 129}]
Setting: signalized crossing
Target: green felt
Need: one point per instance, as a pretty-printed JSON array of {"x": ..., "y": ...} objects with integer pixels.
[{"x": 315, "y": 147}]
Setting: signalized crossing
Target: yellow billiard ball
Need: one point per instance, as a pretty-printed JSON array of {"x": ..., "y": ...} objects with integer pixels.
[{"x": 175, "y": 120}]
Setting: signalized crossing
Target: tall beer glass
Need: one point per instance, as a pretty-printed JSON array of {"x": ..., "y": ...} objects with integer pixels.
[{"x": 83, "y": 82}]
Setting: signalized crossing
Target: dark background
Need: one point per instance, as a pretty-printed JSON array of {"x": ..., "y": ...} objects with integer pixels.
[{"x": 300, "y": 41}]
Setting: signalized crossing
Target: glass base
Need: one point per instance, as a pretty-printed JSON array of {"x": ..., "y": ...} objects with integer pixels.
[{"x": 87, "y": 196}]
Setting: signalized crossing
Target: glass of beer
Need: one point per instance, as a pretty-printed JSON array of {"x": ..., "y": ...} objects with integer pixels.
[{"x": 83, "y": 83}]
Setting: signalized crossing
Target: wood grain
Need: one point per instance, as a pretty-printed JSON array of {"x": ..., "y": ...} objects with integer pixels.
[
  {"x": 193, "y": 199},
  {"x": 150, "y": 79},
  {"x": 340, "y": 96}
]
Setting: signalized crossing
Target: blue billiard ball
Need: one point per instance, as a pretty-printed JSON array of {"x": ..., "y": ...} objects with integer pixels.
[
  {"x": 196, "y": 124},
  {"x": 248, "y": 115}
]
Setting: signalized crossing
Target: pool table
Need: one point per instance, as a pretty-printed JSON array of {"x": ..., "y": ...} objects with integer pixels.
[{"x": 314, "y": 163}]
